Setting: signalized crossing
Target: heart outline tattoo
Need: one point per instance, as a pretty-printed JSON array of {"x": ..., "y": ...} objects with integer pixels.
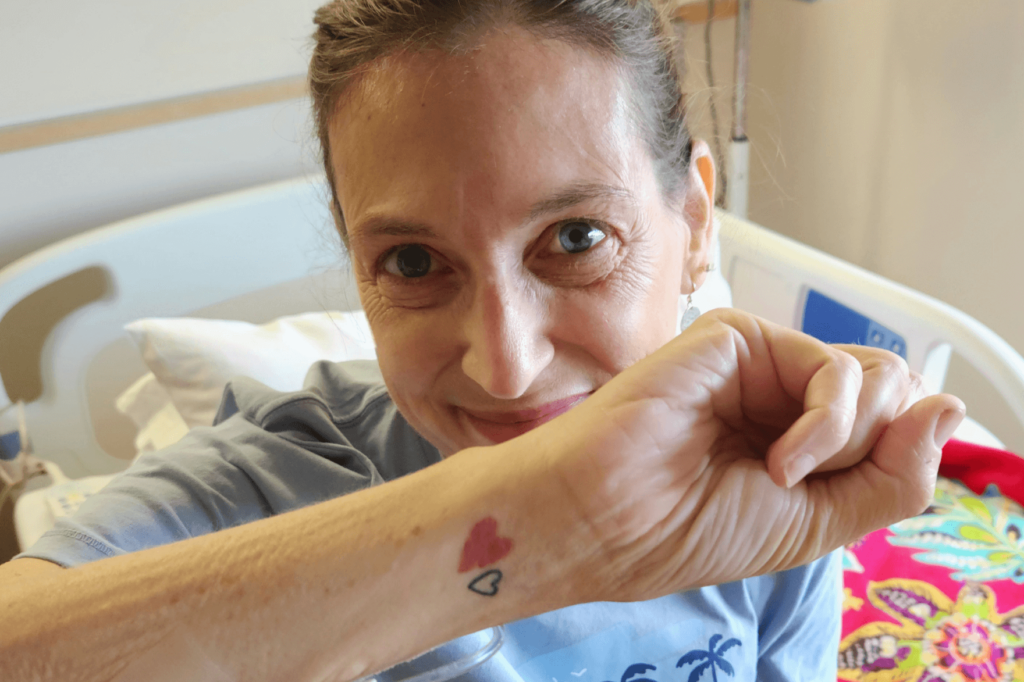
[{"x": 487, "y": 590}]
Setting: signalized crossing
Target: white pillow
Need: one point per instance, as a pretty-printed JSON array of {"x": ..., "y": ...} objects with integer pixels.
[
  {"x": 149, "y": 406},
  {"x": 142, "y": 400},
  {"x": 165, "y": 428},
  {"x": 194, "y": 358}
]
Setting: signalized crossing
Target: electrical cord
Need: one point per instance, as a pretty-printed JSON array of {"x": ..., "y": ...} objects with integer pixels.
[
  {"x": 24, "y": 467},
  {"x": 719, "y": 159},
  {"x": 9, "y": 490}
]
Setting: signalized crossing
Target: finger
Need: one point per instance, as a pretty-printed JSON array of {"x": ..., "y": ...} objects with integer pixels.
[
  {"x": 886, "y": 386},
  {"x": 830, "y": 401},
  {"x": 887, "y": 361},
  {"x": 896, "y": 482},
  {"x": 916, "y": 392},
  {"x": 777, "y": 368},
  {"x": 752, "y": 376}
]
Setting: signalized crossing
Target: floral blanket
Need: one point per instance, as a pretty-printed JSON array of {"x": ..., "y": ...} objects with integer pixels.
[{"x": 940, "y": 597}]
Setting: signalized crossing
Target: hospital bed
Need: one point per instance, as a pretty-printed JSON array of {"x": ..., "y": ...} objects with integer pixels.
[{"x": 259, "y": 254}]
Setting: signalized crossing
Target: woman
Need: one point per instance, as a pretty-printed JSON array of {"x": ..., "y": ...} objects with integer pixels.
[{"x": 523, "y": 207}]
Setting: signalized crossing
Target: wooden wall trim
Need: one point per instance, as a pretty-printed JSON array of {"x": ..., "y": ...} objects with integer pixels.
[
  {"x": 696, "y": 11},
  {"x": 119, "y": 119}
]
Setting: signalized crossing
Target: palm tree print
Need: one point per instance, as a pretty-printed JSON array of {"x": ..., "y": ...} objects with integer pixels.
[
  {"x": 637, "y": 669},
  {"x": 713, "y": 658}
]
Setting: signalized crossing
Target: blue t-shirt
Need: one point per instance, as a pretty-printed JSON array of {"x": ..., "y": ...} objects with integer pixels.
[{"x": 272, "y": 452}]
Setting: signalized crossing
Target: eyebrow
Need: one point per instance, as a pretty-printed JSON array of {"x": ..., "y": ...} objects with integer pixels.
[
  {"x": 564, "y": 198},
  {"x": 577, "y": 194},
  {"x": 385, "y": 226}
]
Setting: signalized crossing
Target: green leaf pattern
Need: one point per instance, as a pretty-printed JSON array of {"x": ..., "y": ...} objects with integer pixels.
[{"x": 978, "y": 536}]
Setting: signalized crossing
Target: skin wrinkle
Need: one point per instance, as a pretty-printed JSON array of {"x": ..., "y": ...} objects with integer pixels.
[
  {"x": 727, "y": 397},
  {"x": 506, "y": 332}
]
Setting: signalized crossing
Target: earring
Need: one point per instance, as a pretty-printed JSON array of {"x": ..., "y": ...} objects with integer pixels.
[{"x": 692, "y": 312}]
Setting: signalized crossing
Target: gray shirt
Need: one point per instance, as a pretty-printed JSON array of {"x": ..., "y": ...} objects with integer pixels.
[
  {"x": 267, "y": 453},
  {"x": 272, "y": 452}
]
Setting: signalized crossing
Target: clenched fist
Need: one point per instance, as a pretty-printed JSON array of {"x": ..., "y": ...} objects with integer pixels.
[{"x": 742, "y": 448}]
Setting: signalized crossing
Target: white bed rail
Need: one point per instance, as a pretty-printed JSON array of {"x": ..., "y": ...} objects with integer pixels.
[
  {"x": 235, "y": 244},
  {"x": 265, "y": 242},
  {"x": 770, "y": 276}
]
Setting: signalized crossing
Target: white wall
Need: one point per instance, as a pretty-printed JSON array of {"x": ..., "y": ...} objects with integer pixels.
[
  {"x": 64, "y": 57},
  {"x": 891, "y": 133},
  {"x": 48, "y": 193}
]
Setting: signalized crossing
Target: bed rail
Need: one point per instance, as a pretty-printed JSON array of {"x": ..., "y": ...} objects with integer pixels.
[{"x": 771, "y": 275}]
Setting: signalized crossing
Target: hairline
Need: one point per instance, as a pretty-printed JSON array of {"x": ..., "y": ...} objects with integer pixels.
[{"x": 453, "y": 42}]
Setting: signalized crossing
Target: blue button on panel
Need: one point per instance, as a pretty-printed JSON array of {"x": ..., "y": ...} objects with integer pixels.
[
  {"x": 10, "y": 445},
  {"x": 832, "y": 322}
]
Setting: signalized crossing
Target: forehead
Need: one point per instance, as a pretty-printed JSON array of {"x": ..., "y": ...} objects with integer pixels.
[{"x": 488, "y": 130}]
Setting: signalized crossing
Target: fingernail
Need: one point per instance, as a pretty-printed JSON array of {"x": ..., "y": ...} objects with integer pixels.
[
  {"x": 946, "y": 424},
  {"x": 797, "y": 468}
]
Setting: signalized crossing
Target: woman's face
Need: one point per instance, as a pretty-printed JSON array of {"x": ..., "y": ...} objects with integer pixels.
[{"x": 512, "y": 248}]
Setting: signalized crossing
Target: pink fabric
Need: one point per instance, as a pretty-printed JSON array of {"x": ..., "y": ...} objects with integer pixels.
[{"x": 941, "y": 597}]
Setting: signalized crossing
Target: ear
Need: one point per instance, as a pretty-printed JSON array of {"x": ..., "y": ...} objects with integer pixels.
[{"x": 698, "y": 210}]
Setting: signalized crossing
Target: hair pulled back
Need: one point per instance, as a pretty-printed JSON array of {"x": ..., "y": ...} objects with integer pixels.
[{"x": 351, "y": 34}]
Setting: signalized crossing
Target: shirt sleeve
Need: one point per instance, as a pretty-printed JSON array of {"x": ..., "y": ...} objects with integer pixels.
[
  {"x": 268, "y": 453},
  {"x": 214, "y": 478},
  {"x": 799, "y": 635}
]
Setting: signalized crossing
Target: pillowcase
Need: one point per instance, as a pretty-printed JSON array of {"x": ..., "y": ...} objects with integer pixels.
[
  {"x": 142, "y": 400},
  {"x": 149, "y": 406},
  {"x": 192, "y": 358}
]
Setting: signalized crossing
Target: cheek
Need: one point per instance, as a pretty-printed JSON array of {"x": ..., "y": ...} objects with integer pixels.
[
  {"x": 410, "y": 346},
  {"x": 392, "y": 330},
  {"x": 650, "y": 293},
  {"x": 414, "y": 349},
  {"x": 413, "y": 354},
  {"x": 627, "y": 317}
]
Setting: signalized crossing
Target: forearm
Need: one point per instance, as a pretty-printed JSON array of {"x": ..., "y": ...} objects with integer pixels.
[{"x": 334, "y": 591}]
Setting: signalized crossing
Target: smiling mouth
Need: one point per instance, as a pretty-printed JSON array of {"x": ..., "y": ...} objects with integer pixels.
[{"x": 499, "y": 427}]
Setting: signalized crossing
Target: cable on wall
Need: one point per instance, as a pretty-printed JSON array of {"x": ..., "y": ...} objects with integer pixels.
[{"x": 719, "y": 159}]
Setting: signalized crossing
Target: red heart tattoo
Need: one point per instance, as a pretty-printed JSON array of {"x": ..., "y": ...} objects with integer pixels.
[{"x": 484, "y": 547}]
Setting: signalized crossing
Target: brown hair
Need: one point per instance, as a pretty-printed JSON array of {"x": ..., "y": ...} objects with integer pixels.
[{"x": 351, "y": 34}]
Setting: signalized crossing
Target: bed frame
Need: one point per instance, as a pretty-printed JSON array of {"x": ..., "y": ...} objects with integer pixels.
[{"x": 271, "y": 250}]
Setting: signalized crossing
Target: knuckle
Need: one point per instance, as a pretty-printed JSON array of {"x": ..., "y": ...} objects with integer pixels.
[
  {"x": 714, "y": 318},
  {"x": 843, "y": 417},
  {"x": 849, "y": 368},
  {"x": 916, "y": 385},
  {"x": 721, "y": 314},
  {"x": 918, "y": 499},
  {"x": 729, "y": 317},
  {"x": 891, "y": 380},
  {"x": 894, "y": 368}
]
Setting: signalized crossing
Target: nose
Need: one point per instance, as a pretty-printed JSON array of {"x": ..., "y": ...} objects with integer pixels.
[{"x": 506, "y": 344}]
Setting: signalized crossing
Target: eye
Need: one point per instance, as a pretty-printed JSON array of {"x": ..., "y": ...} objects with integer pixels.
[
  {"x": 577, "y": 236},
  {"x": 409, "y": 262}
]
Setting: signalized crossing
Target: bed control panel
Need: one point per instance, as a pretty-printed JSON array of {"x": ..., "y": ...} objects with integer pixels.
[
  {"x": 64, "y": 499},
  {"x": 829, "y": 320}
]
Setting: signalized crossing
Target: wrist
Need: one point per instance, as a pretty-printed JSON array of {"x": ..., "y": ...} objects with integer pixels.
[{"x": 556, "y": 548}]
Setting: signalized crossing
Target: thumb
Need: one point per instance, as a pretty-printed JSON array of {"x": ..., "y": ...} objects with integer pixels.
[{"x": 898, "y": 480}]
